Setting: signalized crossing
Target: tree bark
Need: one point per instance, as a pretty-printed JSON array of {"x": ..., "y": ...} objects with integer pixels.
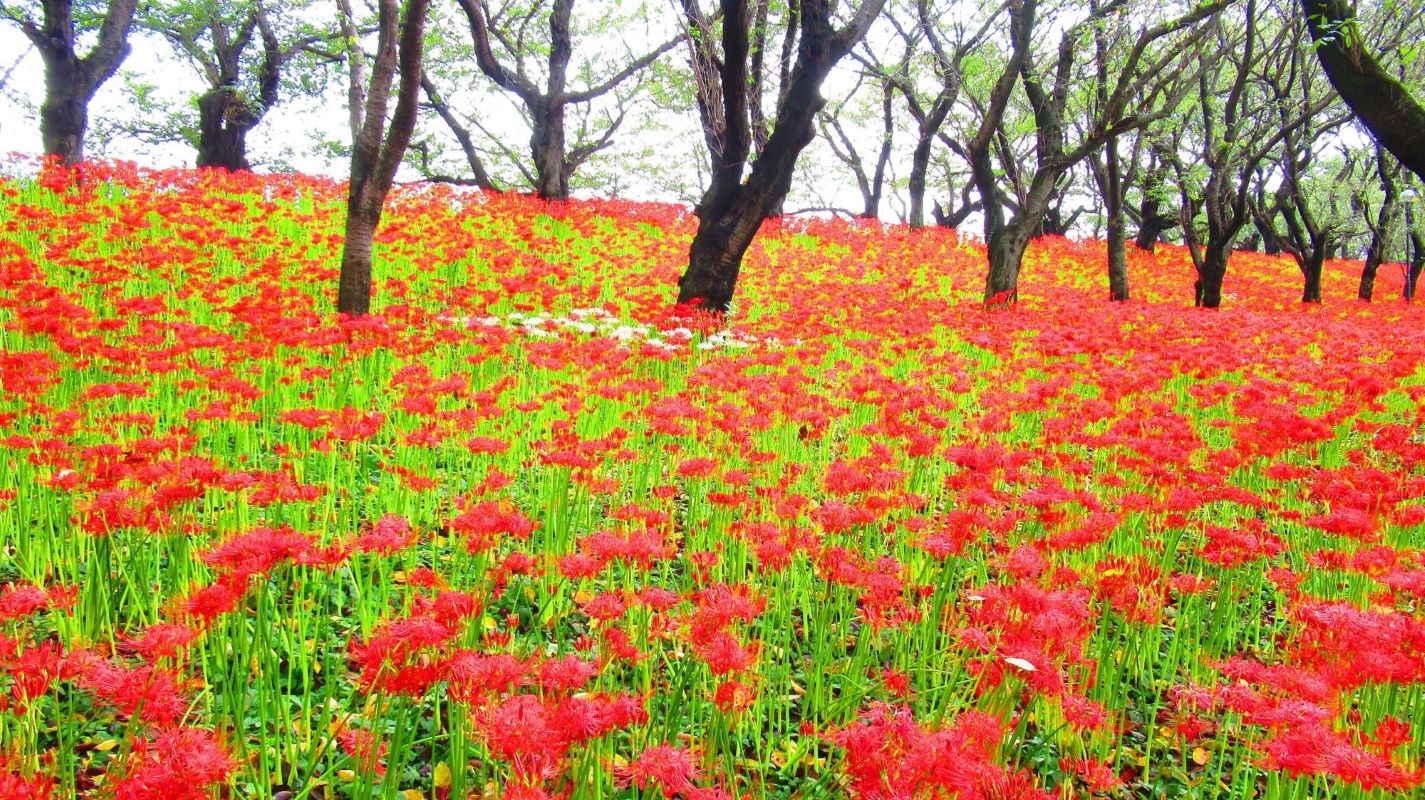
[
  {"x": 71, "y": 81},
  {"x": 1382, "y": 104},
  {"x": 1116, "y": 227},
  {"x": 377, "y": 151},
  {"x": 731, "y": 211},
  {"x": 1208, "y": 287},
  {"x": 1311, "y": 276}
]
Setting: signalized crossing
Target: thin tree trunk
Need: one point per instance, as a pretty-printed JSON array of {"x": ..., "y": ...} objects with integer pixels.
[
  {"x": 1116, "y": 225},
  {"x": 1374, "y": 256},
  {"x": 377, "y": 151}
]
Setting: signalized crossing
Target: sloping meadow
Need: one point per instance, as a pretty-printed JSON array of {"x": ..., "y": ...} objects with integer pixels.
[{"x": 531, "y": 532}]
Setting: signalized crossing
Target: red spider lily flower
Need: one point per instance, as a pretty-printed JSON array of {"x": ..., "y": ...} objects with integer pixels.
[
  {"x": 475, "y": 677},
  {"x": 18, "y": 600},
  {"x": 732, "y": 697},
  {"x": 32, "y": 671},
  {"x": 14, "y": 786},
  {"x": 391, "y": 534},
  {"x": 366, "y": 749},
  {"x": 162, "y": 640},
  {"x": 152, "y": 694},
  {"x": 567, "y": 674},
  {"x": 486, "y": 521},
  {"x": 671, "y": 770},
  {"x": 1096, "y": 776}
]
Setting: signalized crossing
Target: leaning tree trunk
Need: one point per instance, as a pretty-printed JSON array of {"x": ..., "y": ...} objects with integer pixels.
[
  {"x": 222, "y": 130},
  {"x": 715, "y": 256},
  {"x": 1005, "y": 250},
  {"x": 1375, "y": 255}
]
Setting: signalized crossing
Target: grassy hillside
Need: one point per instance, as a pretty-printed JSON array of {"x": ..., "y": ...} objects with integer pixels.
[{"x": 530, "y": 532}]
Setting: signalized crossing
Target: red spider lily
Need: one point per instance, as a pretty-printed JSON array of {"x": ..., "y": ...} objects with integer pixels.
[
  {"x": 14, "y": 786},
  {"x": 162, "y": 640},
  {"x": 391, "y": 534},
  {"x": 671, "y": 770},
  {"x": 368, "y": 751}
]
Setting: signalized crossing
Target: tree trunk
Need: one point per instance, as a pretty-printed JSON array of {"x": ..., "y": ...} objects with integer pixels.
[
  {"x": 354, "y": 288},
  {"x": 715, "y": 256},
  {"x": 1311, "y": 272},
  {"x": 1208, "y": 287},
  {"x": 1152, "y": 223},
  {"x": 1270, "y": 244},
  {"x": 1117, "y": 234},
  {"x": 64, "y": 116},
  {"x": 1379, "y": 101},
  {"x": 1006, "y": 253},
  {"x": 919, "y": 166},
  {"x": 377, "y": 150},
  {"x": 1414, "y": 266},
  {"x": 547, "y": 147},
  {"x": 1375, "y": 254},
  {"x": 222, "y": 130}
]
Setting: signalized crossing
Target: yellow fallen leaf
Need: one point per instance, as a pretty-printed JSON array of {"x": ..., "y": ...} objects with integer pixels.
[
  {"x": 1200, "y": 756},
  {"x": 106, "y": 745},
  {"x": 346, "y": 774},
  {"x": 413, "y": 794}
]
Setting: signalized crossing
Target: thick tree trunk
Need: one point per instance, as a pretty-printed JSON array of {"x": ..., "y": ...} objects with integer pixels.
[
  {"x": 1379, "y": 101},
  {"x": 1311, "y": 274},
  {"x": 1270, "y": 244},
  {"x": 354, "y": 288},
  {"x": 1152, "y": 223},
  {"x": 1208, "y": 287},
  {"x": 64, "y": 116},
  {"x": 222, "y": 131},
  {"x": 547, "y": 148},
  {"x": 715, "y": 257},
  {"x": 1005, "y": 250}
]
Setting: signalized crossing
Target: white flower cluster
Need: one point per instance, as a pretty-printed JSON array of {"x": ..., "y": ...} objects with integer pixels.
[{"x": 599, "y": 322}]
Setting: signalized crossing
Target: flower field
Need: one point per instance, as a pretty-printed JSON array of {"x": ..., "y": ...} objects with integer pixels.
[{"x": 528, "y": 533}]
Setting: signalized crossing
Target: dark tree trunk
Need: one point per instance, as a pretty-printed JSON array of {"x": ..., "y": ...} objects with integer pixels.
[
  {"x": 731, "y": 211},
  {"x": 1208, "y": 288},
  {"x": 1369, "y": 269},
  {"x": 1269, "y": 243},
  {"x": 377, "y": 151},
  {"x": 71, "y": 81},
  {"x": 1414, "y": 266},
  {"x": 1005, "y": 249},
  {"x": 1311, "y": 276},
  {"x": 1382, "y": 104},
  {"x": 222, "y": 130},
  {"x": 919, "y": 167},
  {"x": 1116, "y": 225},
  {"x": 64, "y": 116},
  {"x": 547, "y": 147}
]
